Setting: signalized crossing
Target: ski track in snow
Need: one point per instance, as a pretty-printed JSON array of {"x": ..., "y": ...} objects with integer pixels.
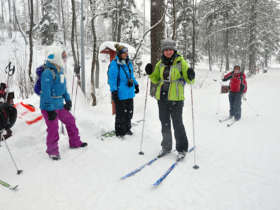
[{"x": 239, "y": 166}]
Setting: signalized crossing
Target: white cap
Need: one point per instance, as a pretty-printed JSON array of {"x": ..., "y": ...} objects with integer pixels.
[{"x": 54, "y": 55}]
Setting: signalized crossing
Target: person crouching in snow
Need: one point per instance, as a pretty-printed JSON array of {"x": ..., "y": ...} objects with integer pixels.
[
  {"x": 238, "y": 87},
  {"x": 123, "y": 87},
  {"x": 52, "y": 97},
  {"x": 170, "y": 75}
]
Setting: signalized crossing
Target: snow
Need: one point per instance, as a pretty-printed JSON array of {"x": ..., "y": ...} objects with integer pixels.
[
  {"x": 111, "y": 45},
  {"x": 239, "y": 166}
]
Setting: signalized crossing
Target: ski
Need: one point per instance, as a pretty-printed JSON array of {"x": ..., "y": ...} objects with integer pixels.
[
  {"x": 112, "y": 133},
  {"x": 5, "y": 184},
  {"x": 231, "y": 123},
  {"x": 140, "y": 168},
  {"x": 159, "y": 181},
  {"x": 225, "y": 119}
]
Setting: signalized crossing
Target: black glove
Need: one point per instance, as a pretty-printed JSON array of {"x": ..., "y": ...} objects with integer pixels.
[
  {"x": 68, "y": 105},
  {"x": 3, "y": 86},
  {"x": 191, "y": 74},
  {"x": 136, "y": 89},
  {"x": 115, "y": 96},
  {"x": 149, "y": 69},
  {"x": 51, "y": 115}
]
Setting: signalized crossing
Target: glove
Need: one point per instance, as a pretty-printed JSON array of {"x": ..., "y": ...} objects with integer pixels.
[
  {"x": 51, "y": 115},
  {"x": 149, "y": 69},
  {"x": 3, "y": 86},
  {"x": 191, "y": 74},
  {"x": 68, "y": 105},
  {"x": 136, "y": 89},
  {"x": 115, "y": 96}
]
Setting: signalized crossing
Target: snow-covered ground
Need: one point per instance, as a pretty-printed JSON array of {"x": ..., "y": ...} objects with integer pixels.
[{"x": 239, "y": 166}]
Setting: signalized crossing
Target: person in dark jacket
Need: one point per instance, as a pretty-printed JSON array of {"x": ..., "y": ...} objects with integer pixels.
[
  {"x": 8, "y": 116},
  {"x": 123, "y": 87},
  {"x": 52, "y": 97},
  {"x": 170, "y": 75},
  {"x": 238, "y": 87},
  {"x": 6, "y": 97}
]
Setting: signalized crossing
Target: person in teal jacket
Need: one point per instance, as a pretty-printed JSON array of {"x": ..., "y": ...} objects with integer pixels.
[
  {"x": 123, "y": 87},
  {"x": 170, "y": 75},
  {"x": 52, "y": 97}
]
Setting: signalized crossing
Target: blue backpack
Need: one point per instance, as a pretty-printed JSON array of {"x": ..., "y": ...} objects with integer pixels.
[{"x": 39, "y": 71}]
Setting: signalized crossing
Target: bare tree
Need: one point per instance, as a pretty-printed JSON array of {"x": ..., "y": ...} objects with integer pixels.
[
  {"x": 17, "y": 22},
  {"x": 157, "y": 10},
  {"x": 10, "y": 19},
  {"x": 94, "y": 51},
  {"x": 74, "y": 23},
  {"x": 63, "y": 22},
  {"x": 252, "y": 36},
  {"x": 30, "y": 40}
]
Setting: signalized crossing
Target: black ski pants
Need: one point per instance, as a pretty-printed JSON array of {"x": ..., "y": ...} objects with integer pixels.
[
  {"x": 124, "y": 114},
  {"x": 172, "y": 110},
  {"x": 235, "y": 104}
]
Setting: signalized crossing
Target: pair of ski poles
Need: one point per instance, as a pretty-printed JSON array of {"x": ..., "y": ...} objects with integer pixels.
[{"x": 195, "y": 166}]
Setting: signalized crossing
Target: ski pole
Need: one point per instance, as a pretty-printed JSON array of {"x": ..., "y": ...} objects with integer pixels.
[
  {"x": 144, "y": 118},
  {"x": 76, "y": 96},
  {"x": 194, "y": 152},
  {"x": 14, "y": 162}
]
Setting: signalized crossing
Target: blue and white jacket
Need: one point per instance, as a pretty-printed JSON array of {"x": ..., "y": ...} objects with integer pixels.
[
  {"x": 118, "y": 75},
  {"x": 53, "y": 88}
]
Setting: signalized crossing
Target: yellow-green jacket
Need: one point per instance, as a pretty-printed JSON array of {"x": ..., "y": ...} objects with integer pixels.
[{"x": 177, "y": 78}]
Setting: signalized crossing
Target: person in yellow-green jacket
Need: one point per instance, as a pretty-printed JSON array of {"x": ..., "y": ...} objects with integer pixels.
[{"x": 170, "y": 74}]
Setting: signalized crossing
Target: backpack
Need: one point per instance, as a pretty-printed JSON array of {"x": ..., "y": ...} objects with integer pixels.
[
  {"x": 8, "y": 116},
  {"x": 39, "y": 71}
]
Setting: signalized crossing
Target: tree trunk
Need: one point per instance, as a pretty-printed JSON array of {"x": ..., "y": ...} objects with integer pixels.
[
  {"x": 2, "y": 21},
  {"x": 94, "y": 52},
  {"x": 76, "y": 64},
  {"x": 10, "y": 20},
  {"x": 226, "y": 39},
  {"x": 30, "y": 41},
  {"x": 120, "y": 22},
  {"x": 63, "y": 23},
  {"x": 18, "y": 25},
  {"x": 193, "y": 35},
  {"x": 174, "y": 20},
  {"x": 252, "y": 37},
  {"x": 157, "y": 10}
]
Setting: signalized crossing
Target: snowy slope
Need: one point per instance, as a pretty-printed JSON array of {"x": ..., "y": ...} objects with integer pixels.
[{"x": 238, "y": 166}]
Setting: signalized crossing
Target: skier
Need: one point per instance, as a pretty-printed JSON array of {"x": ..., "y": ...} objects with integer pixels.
[
  {"x": 8, "y": 116},
  {"x": 238, "y": 88},
  {"x": 6, "y": 97},
  {"x": 52, "y": 97},
  {"x": 123, "y": 87},
  {"x": 170, "y": 75}
]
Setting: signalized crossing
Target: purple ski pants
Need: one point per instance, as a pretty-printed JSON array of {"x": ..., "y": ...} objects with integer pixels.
[{"x": 52, "y": 130}]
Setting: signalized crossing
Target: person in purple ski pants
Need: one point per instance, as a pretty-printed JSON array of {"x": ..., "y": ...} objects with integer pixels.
[{"x": 52, "y": 97}]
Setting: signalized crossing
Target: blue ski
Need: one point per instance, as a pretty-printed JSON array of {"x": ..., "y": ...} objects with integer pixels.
[
  {"x": 157, "y": 183},
  {"x": 140, "y": 168}
]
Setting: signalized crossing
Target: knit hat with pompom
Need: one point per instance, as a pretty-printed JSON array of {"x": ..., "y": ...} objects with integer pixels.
[{"x": 120, "y": 49}]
